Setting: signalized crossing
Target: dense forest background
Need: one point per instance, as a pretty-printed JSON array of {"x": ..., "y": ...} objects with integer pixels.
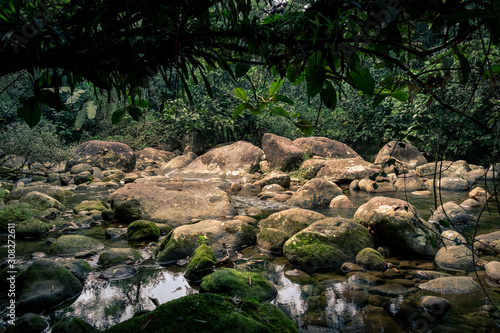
[{"x": 423, "y": 74}]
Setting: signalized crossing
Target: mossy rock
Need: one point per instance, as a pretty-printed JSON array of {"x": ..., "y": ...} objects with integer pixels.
[
  {"x": 88, "y": 205},
  {"x": 171, "y": 250},
  {"x": 73, "y": 325},
  {"x": 233, "y": 282},
  {"x": 326, "y": 244},
  {"x": 16, "y": 213},
  {"x": 117, "y": 256},
  {"x": 208, "y": 313},
  {"x": 29, "y": 323},
  {"x": 200, "y": 264},
  {"x": 165, "y": 229},
  {"x": 31, "y": 228},
  {"x": 78, "y": 267},
  {"x": 75, "y": 245},
  {"x": 47, "y": 285},
  {"x": 4, "y": 195},
  {"x": 371, "y": 259},
  {"x": 143, "y": 230},
  {"x": 41, "y": 201}
]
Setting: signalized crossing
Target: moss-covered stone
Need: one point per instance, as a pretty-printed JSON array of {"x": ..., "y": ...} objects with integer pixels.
[
  {"x": 31, "y": 228},
  {"x": 73, "y": 325},
  {"x": 200, "y": 264},
  {"x": 371, "y": 259},
  {"x": 75, "y": 245},
  {"x": 78, "y": 267},
  {"x": 326, "y": 244},
  {"x": 15, "y": 213},
  {"x": 56, "y": 193},
  {"x": 29, "y": 323},
  {"x": 171, "y": 250},
  {"x": 143, "y": 230},
  {"x": 165, "y": 229},
  {"x": 233, "y": 282},
  {"x": 117, "y": 256},
  {"x": 47, "y": 285},
  {"x": 208, "y": 313},
  {"x": 88, "y": 205}
]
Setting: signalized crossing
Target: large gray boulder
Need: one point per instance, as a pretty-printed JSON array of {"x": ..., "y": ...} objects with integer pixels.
[
  {"x": 457, "y": 257},
  {"x": 54, "y": 192},
  {"x": 315, "y": 193},
  {"x": 409, "y": 182},
  {"x": 452, "y": 213},
  {"x": 47, "y": 284},
  {"x": 235, "y": 159},
  {"x": 442, "y": 169},
  {"x": 173, "y": 203},
  {"x": 281, "y": 153},
  {"x": 41, "y": 201},
  {"x": 326, "y": 244},
  {"x": 448, "y": 184},
  {"x": 219, "y": 235},
  {"x": 152, "y": 157},
  {"x": 347, "y": 169},
  {"x": 398, "y": 225},
  {"x": 176, "y": 163},
  {"x": 488, "y": 243},
  {"x": 451, "y": 285},
  {"x": 403, "y": 152},
  {"x": 324, "y": 147},
  {"x": 279, "y": 227},
  {"x": 103, "y": 155}
]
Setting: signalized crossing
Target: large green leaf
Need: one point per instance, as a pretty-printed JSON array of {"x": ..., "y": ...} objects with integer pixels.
[
  {"x": 241, "y": 69},
  {"x": 117, "y": 116},
  {"x": 30, "y": 110},
  {"x": 315, "y": 78},
  {"x": 91, "y": 108},
  {"x": 241, "y": 94},
  {"x": 279, "y": 111},
  {"x": 80, "y": 118},
  {"x": 305, "y": 127},
  {"x": 134, "y": 111},
  {"x": 275, "y": 86},
  {"x": 329, "y": 96},
  {"x": 240, "y": 108},
  {"x": 362, "y": 79},
  {"x": 282, "y": 98}
]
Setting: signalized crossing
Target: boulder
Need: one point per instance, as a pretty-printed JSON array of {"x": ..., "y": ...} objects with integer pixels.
[
  {"x": 47, "y": 285},
  {"x": 397, "y": 224},
  {"x": 370, "y": 259},
  {"x": 83, "y": 178},
  {"x": 436, "y": 306},
  {"x": 457, "y": 257},
  {"x": 131, "y": 177},
  {"x": 471, "y": 203},
  {"x": 278, "y": 227},
  {"x": 89, "y": 205},
  {"x": 448, "y": 184},
  {"x": 346, "y": 170},
  {"x": 452, "y": 238},
  {"x": 235, "y": 159},
  {"x": 479, "y": 194},
  {"x": 176, "y": 163},
  {"x": 114, "y": 233},
  {"x": 488, "y": 243},
  {"x": 453, "y": 285},
  {"x": 493, "y": 271},
  {"x": 31, "y": 228},
  {"x": 119, "y": 272},
  {"x": 78, "y": 267},
  {"x": 380, "y": 185},
  {"x": 325, "y": 147},
  {"x": 142, "y": 230},
  {"x": 56, "y": 193},
  {"x": 281, "y": 153},
  {"x": 28, "y": 323},
  {"x": 173, "y": 203},
  {"x": 453, "y": 169},
  {"x": 452, "y": 213},
  {"x": 200, "y": 264},
  {"x": 75, "y": 245},
  {"x": 82, "y": 167},
  {"x": 403, "y": 152},
  {"x": 326, "y": 244},
  {"x": 341, "y": 202},
  {"x": 151, "y": 157},
  {"x": 41, "y": 201},
  {"x": 74, "y": 325},
  {"x": 309, "y": 168},
  {"x": 209, "y": 313},
  {"x": 104, "y": 155},
  {"x": 221, "y": 236},
  {"x": 233, "y": 282},
  {"x": 315, "y": 193},
  {"x": 274, "y": 177},
  {"x": 409, "y": 182},
  {"x": 118, "y": 256}
]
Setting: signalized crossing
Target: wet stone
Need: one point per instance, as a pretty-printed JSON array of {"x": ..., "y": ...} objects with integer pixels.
[
  {"x": 364, "y": 278},
  {"x": 119, "y": 272},
  {"x": 389, "y": 290}
]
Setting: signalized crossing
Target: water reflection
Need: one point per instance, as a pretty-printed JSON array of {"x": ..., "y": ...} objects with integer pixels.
[{"x": 104, "y": 303}]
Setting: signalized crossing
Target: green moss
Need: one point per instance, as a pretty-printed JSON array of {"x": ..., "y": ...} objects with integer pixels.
[
  {"x": 208, "y": 313},
  {"x": 234, "y": 282},
  {"x": 4, "y": 195},
  {"x": 16, "y": 213},
  {"x": 129, "y": 211},
  {"x": 29, "y": 323},
  {"x": 143, "y": 230},
  {"x": 371, "y": 259},
  {"x": 231, "y": 230},
  {"x": 201, "y": 263},
  {"x": 74, "y": 325},
  {"x": 88, "y": 205},
  {"x": 31, "y": 228},
  {"x": 75, "y": 245},
  {"x": 175, "y": 249},
  {"x": 272, "y": 240},
  {"x": 113, "y": 257}
]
